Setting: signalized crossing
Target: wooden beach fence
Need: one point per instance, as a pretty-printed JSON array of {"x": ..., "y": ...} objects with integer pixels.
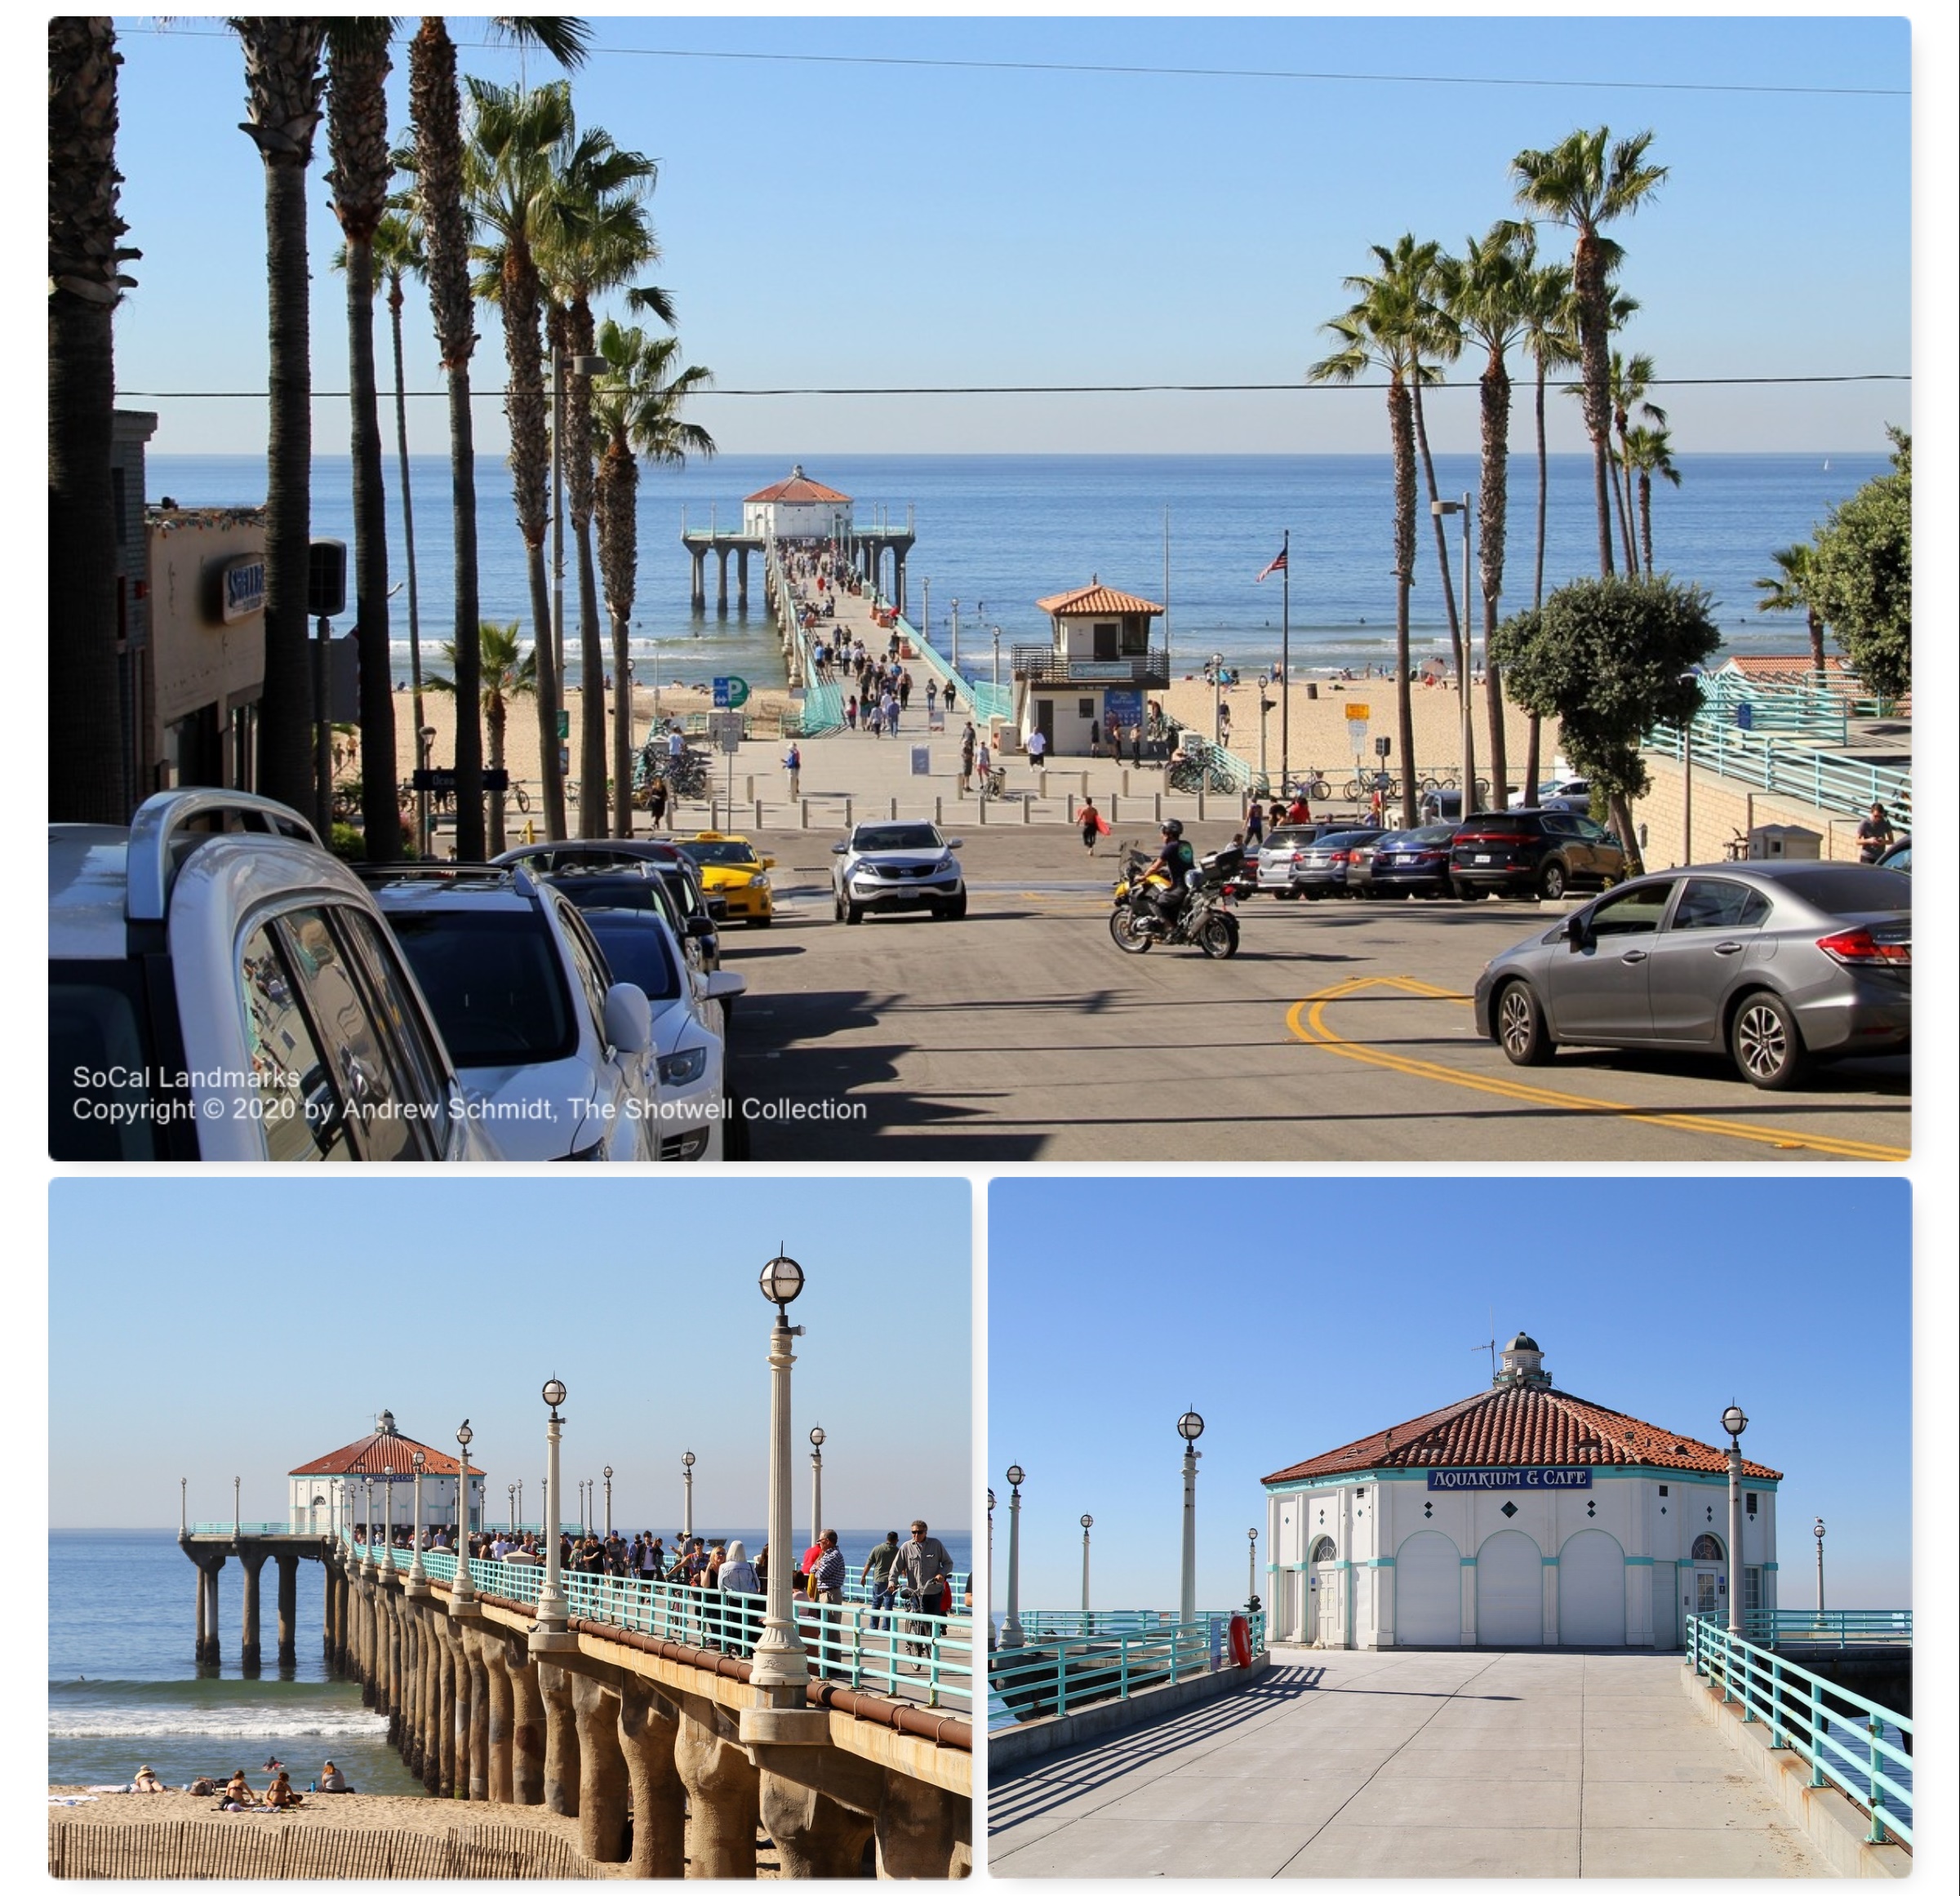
[{"x": 203, "y": 1850}]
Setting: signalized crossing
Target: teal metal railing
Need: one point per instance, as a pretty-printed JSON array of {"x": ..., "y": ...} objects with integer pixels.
[
  {"x": 243, "y": 1527},
  {"x": 987, "y": 699},
  {"x": 1771, "y": 764},
  {"x": 922, "y": 1658},
  {"x": 1857, "y": 1625},
  {"x": 1062, "y": 1670},
  {"x": 822, "y": 709},
  {"x": 1849, "y": 1741}
]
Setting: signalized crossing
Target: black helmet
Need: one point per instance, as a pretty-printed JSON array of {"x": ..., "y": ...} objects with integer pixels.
[{"x": 1173, "y": 828}]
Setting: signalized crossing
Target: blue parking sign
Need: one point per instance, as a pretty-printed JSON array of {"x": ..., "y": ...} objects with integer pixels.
[{"x": 721, "y": 694}]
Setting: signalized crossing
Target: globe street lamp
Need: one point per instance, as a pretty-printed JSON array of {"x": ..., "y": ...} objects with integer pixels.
[
  {"x": 1088, "y": 1522},
  {"x": 554, "y": 1632},
  {"x": 184, "y": 1507},
  {"x": 368, "y": 1524},
  {"x": 387, "y": 1522},
  {"x": 780, "y": 1661},
  {"x": 1819, "y": 1531},
  {"x": 416, "y": 1585},
  {"x": 1252, "y": 1570},
  {"x": 462, "y": 1593},
  {"x": 1011, "y": 1633},
  {"x": 510, "y": 1494},
  {"x": 687, "y": 1496},
  {"x": 1190, "y": 1425},
  {"x": 608, "y": 1473},
  {"x": 1734, "y": 1421},
  {"x": 235, "y": 1480},
  {"x": 817, "y": 1487},
  {"x": 989, "y": 1570}
]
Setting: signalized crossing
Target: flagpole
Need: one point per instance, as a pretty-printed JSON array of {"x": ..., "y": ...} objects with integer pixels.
[{"x": 1285, "y": 663}]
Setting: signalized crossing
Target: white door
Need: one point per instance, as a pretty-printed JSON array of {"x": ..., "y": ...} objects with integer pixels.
[
  {"x": 1429, "y": 1591},
  {"x": 1325, "y": 1579},
  {"x": 1667, "y": 1606},
  {"x": 1592, "y": 1591},
  {"x": 1511, "y": 1590}
]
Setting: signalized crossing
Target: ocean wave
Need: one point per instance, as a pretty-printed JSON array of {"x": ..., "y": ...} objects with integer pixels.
[{"x": 244, "y": 1723}]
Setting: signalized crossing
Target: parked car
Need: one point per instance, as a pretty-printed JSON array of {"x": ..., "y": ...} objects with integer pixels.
[
  {"x": 1782, "y": 964},
  {"x": 695, "y": 1117},
  {"x": 1579, "y": 789},
  {"x": 220, "y": 987},
  {"x": 730, "y": 867},
  {"x": 1279, "y": 855},
  {"x": 559, "y": 1053},
  {"x": 896, "y": 865},
  {"x": 1537, "y": 852},
  {"x": 700, "y": 912},
  {"x": 1411, "y": 862},
  {"x": 1898, "y": 855},
  {"x": 1320, "y": 867}
]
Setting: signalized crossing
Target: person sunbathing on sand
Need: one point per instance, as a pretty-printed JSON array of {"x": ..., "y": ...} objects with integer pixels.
[
  {"x": 146, "y": 1779},
  {"x": 237, "y": 1794},
  {"x": 333, "y": 1778},
  {"x": 282, "y": 1796}
]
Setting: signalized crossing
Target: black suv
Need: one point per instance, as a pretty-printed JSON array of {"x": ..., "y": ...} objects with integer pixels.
[{"x": 1533, "y": 852}]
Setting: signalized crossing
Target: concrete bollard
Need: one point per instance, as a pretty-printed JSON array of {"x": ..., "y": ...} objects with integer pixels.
[
  {"x": 648, "y": 1724},
  {"x": 758, "y": 813},
  {"x": 814, "y": 1834},
  {"x": 939, "y": 808},
  {"x": 849, "y": 823},
  {"x": 1027, "y": 811},
  {"x": 1111, "y": 812},
  {"x": 1158, "y": 798},
  {"x": 894, "y": 815},
  {"x": 1201, "y": 803},
  {"x": 983, "y": 803},
  {"x": 603, "y": 1803},
  {"x": 723, "y": 1801},
  {"x": 802, "y": 808},
  {"x": 1071, "y": 806},
  {"x": 560, "y": 1742}
]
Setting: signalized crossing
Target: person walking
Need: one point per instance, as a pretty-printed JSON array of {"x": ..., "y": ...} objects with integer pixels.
[
  {"x": 966, "y": 753},
  {"x": 1255, "y": 824},
  {"x": 877, "y": 1573},
  {"x": 932, "y": 696},
  {"x": 1093, "y": 823},
  {"x": 921, "y": 1574},
  {"x": 951, "y": 698},
  {"x": 984, "y": 760},
  {"x": 793, "y": 768},
  {"x": 656, "y": 801},
  {"x": 1037, "y": 746}
]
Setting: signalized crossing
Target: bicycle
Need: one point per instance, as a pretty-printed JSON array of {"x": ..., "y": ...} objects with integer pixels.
[{"x": 993, "y": 782}]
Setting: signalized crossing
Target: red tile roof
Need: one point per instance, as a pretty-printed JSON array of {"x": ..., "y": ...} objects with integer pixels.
[
  {"x": 799, "y": 488},
  {"x": 385, "y": 1454},
  {"x": 1095, "y": 597},
  {"x": 1522, "y": 1427}
]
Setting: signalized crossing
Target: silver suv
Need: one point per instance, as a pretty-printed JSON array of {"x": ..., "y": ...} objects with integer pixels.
[
  {"x": 896, "y": 865},
  {"x": 220, "y": 987}
]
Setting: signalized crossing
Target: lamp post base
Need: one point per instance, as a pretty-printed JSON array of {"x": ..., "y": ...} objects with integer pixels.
[
  {"x": 767, "y": 1725},
  {"x": 552, "y": 1638}
]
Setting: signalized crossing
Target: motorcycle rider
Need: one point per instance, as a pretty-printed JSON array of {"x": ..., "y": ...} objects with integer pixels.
[{"x": 1175, "y": 860}]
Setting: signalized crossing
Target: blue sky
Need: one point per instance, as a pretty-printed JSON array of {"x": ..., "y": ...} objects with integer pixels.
[
  {"x": 933, "y": 202},
  {"x": 233, "y": 1326},
  {"x": 1296, "y": 1316}
]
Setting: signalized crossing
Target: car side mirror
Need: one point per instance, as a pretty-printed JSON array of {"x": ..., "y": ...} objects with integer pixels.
[
  {"x": 768, "y": 862},
  {"x": 628, "y": 1018},
  {"x": 698, "y": 928},
  {"x": 1578, "y": 930},
  {"x": 840, "y": 849},
  {"x": 952, "y": 842},
  {"x": 723, "y": 985}
]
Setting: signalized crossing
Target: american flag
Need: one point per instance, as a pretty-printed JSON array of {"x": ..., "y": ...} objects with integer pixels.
[{"x": 1278, "y": 564}]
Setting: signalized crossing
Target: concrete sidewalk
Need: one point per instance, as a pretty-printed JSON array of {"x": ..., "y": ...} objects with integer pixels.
[{"x": 1409, "y": 1764}]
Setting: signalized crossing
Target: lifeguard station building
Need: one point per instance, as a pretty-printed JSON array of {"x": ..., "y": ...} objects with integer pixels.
[
  {"x": 1092, "y": 676},
  {"x": 1519, "y": 1516}
]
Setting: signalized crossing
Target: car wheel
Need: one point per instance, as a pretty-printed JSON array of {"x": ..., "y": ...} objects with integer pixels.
[
  {"x": 1766, "y": 1045},
  {"x": 836, "y": 906},
  {"x": 1521, "y": 1028},
  {"x": 760, "y": 920},
  {"x": 1552, "y": 881},
  {"x": 1467, "y": 892},
  {"x": 955, "y": 910},
  {"x": 854, "y": 914}
]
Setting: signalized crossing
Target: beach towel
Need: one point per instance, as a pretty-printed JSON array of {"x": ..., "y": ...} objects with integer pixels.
[{"x": 89, "y": 1799}]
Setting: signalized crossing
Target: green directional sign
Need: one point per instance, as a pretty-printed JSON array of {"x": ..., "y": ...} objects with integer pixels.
[
  {"x": 564, "y": 726},
  {"x": 738, "y": 693}
]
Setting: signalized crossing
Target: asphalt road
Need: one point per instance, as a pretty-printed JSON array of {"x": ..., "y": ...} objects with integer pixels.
[{"x": 1341, "y": 1030}]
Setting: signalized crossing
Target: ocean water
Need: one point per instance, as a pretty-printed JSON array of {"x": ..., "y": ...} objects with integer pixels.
[
  {"x": 997, "y": 532},
  {"x": 124, "y": 1689}
]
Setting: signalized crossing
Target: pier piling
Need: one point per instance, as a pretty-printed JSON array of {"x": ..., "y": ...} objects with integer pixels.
[
  {"x": 287, "y": 1610},
  {"x": 251, "y": 1560}
]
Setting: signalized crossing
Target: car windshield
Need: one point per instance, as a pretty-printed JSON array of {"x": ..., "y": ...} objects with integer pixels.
[
  {"x": 636, "y": 950},
  {"x": 100, "y": 1105},
  {"x": 1343, "y": 839},
  {"x": 495, "y": 981},
  {"x": 645, "y": 893},
  {"x": 720, "y": 855},
  {"x": 1845, "y": 890},
  {"x": 895, "y": 836}
]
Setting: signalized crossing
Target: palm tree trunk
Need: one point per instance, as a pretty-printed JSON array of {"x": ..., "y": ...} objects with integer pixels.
[
  {"x": 1623, "y": 500},
  {"x": 1458, "y": 627},
  {"x": 1402, "y": 437},
  {"x": 578, "y": 330},
  {"x": 381, "y": 815},
  {"x": 87, "y": 771},
  {"x": 1589, "y": 284},
  {"x": 469, "y": 762},
  {"x": 618, "y": 489},
  {"x": 1534, "y": 740},
  {"x": 1646, "y": 522},
  {"x": 408, "y": 537},
  {"x": 495, "y": 714},
  {"x": 1816, "y": 625},
  {"x": 1493, "y": 520}
]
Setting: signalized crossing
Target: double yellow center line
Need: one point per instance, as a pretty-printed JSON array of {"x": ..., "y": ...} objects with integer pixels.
[{"x": 1306, "y": 1020}]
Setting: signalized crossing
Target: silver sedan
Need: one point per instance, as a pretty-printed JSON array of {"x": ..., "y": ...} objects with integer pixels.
[{"x": 1781, "y": 964}]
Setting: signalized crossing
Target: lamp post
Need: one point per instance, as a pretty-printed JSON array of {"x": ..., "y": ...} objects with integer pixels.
[
  {"x": 1215, "y": 665},
  {"x": 1011, "y": 1635},
  {"x": 779, "y": 1659},
  {"x": 235, "y": 1480},
  {"x": 553, "y": 1633},
  {"x": 996, "y": 659},
  {"x": 687, "y": 1497},
  {"x": 520, "y": 1504},
  {"x": 989, "y": 1570},
  {"x": 416, "y": 1585},
  {"x": 1467, "y": 805},
  {"x": 510, "y": 1492},
  {"x": 817, "y": 1487},
  {"x": 184, "y": 1507},
  {"x": 1687, "y": 771},
  {"x": 1190, "y": 1425},
  {"x": 388, "y": 1522},
  {"x": 462, "y": 1594},
  {"x": 1088, "y": 1522},
  {"x": 1252, "y": 1569},
  {"x": 1734, "y": 1421},
  {"x": 368, "y": 1524},
  {"x": 608, "y": 1473},
  {"x": 1819, "y": 1531}
]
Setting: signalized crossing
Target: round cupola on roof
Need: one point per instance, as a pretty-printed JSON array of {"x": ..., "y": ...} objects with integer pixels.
[
  {"x": 386, "y": 1424},
  {"x": 1523, "y": 1366}
]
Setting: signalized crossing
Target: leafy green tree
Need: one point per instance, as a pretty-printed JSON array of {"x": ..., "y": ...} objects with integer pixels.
[
  {"x": 1861, "y": 575},
  {"x": 1789, "y": 590},
  {"x": 1607, "y": 657}
]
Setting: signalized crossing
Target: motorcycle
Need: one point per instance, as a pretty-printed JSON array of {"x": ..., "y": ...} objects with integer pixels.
[{"x": 1206, "y": 921}]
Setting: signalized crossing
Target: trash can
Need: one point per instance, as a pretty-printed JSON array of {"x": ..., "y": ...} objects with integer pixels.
[
  {"x": 1312, "y": 690},
  {"x": 1780, "y": 842}
]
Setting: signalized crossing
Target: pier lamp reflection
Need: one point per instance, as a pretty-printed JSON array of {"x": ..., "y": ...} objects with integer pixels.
[
  {"x": 1011, "y": 1635},
  {"x": 1734, "y": 1421},
  {"x": 554, "y": 1632}
]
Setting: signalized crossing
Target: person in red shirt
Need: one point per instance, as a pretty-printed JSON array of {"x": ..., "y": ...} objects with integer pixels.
[{"x": 1297, "y": 811}]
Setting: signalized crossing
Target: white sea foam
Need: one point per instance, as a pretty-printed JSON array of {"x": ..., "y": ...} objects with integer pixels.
[{"x": 218, "y": 1722}]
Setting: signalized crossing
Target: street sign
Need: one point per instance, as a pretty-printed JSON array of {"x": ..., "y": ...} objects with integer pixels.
[
  {"x": 730, "y": 694},
  {"x": 1358, "y": 734},
  {"x": 921, "y": 761},
  {"x": 564, "y": 726},
  {"x": 721, "y": 694},
  {"x": 728, "y": 731},
  {"x": 1358, "y": 711}
]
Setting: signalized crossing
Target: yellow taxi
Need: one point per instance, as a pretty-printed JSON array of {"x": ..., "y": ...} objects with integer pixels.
[{"x": 730, "y": 868}]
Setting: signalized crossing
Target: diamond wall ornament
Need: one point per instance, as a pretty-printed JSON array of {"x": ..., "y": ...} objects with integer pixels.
[{"x": 1508, "y": 1509}]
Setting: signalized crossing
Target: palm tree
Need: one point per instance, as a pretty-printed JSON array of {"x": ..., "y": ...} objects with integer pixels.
[
  {"x": 1628, "y": 379},
  {"x": 508, "y": 183},
  {"x": 436, "y": 114},
  {"x": 1487, "y": 291},
  {"x": 358, "y": 66},
  {"x": 597, "y": 239},
  {"x": 1789, "y": 590},
  {"x": 638, "y": 405},
  {"x": 1646, "y": 452},
  {"x": 87, "y": 777},
  {"x": 1382, "y": 330},
  {"x": 1582, "y": 184},
  {"x": 283, "y": 86},
  {"x": 509, "y": 671}
]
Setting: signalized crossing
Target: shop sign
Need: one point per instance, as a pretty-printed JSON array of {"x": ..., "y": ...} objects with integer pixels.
[{"x": 1445, "y": 1481}]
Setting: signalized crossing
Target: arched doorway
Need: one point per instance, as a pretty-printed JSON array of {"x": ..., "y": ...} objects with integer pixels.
[
  {"x": 1511, "y": 1590},
  {"x": 1708, "y": 1578},
  {"x": 1429, "y": 1591},
  {"x": 1325, "y": 1583},
  {"x": 1591, "y": 1590}
]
